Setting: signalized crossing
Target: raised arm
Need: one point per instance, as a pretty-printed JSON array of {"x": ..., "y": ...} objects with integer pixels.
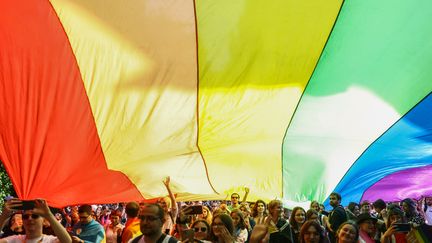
[
  {"x": 7, "y": 211},
  {"x": 247, "y": 190},
  {"x": 174, "y": 207},
  {"x": 43, "y": 210}
]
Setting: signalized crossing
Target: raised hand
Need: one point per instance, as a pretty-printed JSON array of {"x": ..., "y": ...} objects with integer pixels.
[
  {"x": 41, "y": 208},
  {"x": 166, "y": 181}
]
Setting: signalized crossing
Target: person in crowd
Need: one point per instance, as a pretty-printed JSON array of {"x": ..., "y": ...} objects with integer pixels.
[
  {"x": 312, "y": 232},
  {"x": 337, "y": 216},
  {"x": 250, "y": 223},
  {"x": 206, "y": 215},
  {"x": 352, "y": 211},
  {"x": 413, "y": 216},
  {"x": 259, "y": 211},
  {"x": 367, "y": 226},
  {"x": 222, "y": 229},
  {"x": 114, "y": 230},
  {"x": 392, "y": 235},
  {"x": 222, "y": 209},
  {"x": 169, "y": 205},
  {"x": 380, "y": 208},
  {"x": 32, "y": 223},
  {"x": 278, "y": 228},
  {"x": 427, "y": 209},
  {"x": 72, "y": 220},
  {"x": 132, "y": 225},
  {"x": 152, "y": 219},
  {"x": 313, "y": 215},
  {"x": 322, "y": 218},
  {"x": 365, "y": 207},
  {"x": 240, "y": 229},
  {"x": 201, "y": 230},
  {"x": 183, "y": 221},
  {"x": 87, "y": 229},
  {"x": 297, "y": 219},
  {"x": 14, "y": 226},
  {"x": 322, "y": 210},
  {"x": 348, "y": 232},
  {"x": 104, "y": 216},
  {"x": 235, "y": 200}
]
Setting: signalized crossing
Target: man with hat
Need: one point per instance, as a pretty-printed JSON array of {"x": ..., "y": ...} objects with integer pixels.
[{"x": 367, "y": 225}]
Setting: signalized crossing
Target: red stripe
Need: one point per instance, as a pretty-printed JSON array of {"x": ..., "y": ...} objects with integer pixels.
[{"x": 49, "y": 142}]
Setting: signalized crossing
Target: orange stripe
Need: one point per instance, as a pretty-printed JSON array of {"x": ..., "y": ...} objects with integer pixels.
[{"x": 48, "y": 138}]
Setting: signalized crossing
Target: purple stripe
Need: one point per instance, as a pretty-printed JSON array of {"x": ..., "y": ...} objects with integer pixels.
[{"x": 413, "y": 183}]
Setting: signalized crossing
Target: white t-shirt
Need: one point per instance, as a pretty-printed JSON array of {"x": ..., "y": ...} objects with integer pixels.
[
  {"x": 428, "y": 215},
  {"x": 22, "y": 238}
]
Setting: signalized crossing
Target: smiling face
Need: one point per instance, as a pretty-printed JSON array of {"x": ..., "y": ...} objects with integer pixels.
[
  {"x": 347, "y": 234},
  {"x": 300, "y": 216},
  {"x": 260, "y": 207},
  {"x": 315, "y": 206},
  {"x": 235, "y": 199},
  {"x": 368, "y": 226}
]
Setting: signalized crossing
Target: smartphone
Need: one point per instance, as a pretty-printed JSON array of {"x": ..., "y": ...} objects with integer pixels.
[
  {"x": 26, "y": 205},
  {"x": 194, "y": 209},
  {"x": 402, "y": 227},
  {"x": 188, "y": 234}
]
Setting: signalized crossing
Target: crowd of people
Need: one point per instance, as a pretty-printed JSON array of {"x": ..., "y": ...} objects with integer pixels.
[{"x": 237, "y": 220}]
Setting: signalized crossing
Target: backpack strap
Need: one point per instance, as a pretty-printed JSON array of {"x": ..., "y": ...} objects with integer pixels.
[{"x": 137, "y": 239}]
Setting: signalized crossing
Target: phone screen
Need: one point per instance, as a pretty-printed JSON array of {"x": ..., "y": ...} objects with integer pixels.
[
  {"x": 26, "y": 205},
  {"x": 195, "y": 209}
]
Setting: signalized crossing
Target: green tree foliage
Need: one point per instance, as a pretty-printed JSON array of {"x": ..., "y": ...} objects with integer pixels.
[{"x": 6, "y": 187}]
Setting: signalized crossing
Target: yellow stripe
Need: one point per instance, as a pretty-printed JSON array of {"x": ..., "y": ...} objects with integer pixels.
[{"x": 255, "y": 58}]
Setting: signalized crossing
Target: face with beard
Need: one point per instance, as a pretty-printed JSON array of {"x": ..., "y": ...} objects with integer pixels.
[
  {"x": 151, "y": 221},
  {"x": 334, "y": 201}
]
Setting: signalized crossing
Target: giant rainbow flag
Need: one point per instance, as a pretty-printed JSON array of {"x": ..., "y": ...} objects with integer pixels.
[{"x": 102, "y": 99}]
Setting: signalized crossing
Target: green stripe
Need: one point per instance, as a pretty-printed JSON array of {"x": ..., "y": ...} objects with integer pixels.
[{"x": 375, "y": 67}]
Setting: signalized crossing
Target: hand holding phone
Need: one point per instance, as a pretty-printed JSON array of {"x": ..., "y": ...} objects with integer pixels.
[
  {"x": 194, "y": 209},
  {"x": 24, "y": 205},
  {"x": 402, "y": 227}
]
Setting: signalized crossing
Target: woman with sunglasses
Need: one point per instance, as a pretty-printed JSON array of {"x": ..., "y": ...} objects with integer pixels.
[{"x": 201, "y": 230}]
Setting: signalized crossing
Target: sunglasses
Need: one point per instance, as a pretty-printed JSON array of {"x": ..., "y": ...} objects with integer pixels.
[
  {"x": 202, "y": 229},
  {"x": 33, "y": 216}
]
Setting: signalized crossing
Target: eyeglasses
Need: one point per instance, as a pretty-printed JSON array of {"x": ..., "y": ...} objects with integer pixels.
[
  {"x": 148, "y": 218},
  {"x": 202, "y": 229},
  {"x": 234, "y": 197},
  {"x": 33, "y": 216}
]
